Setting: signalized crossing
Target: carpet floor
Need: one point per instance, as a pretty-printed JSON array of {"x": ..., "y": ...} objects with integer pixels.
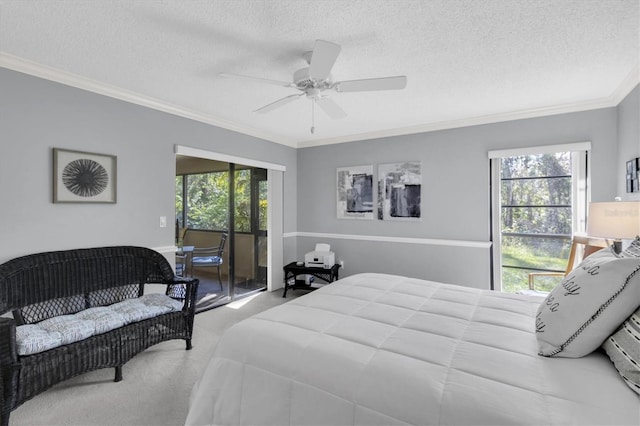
[{"x": 156, "y": 383}]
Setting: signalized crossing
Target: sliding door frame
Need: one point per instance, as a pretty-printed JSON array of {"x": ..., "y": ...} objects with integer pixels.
[{"x": 275, "y": 207}]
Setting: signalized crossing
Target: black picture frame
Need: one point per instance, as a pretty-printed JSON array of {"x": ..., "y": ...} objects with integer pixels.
[{"x": 84, "y": 177}]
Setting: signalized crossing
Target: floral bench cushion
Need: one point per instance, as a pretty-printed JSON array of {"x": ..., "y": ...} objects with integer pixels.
[{"x": 65, "y": 329}]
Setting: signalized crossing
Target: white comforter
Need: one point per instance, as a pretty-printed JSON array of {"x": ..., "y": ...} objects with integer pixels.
[{"x": 375, "y": 349}]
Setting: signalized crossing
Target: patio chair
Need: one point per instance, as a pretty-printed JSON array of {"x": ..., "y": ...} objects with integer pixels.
[{"x": 209, "y": 257}]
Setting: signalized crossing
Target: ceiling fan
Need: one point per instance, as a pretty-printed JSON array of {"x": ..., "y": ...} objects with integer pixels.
[{"x": 315, "y": 81}]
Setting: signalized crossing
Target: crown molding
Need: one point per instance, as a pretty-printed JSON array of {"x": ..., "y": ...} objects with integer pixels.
[
  {"x": 465, "y": 122},
  {"x": 627, "y": 85},
  {"x": 70, "y": 79},
  {"x": 74, "y": 80}
]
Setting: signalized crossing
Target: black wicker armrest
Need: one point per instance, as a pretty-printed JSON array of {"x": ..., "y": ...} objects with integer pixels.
[
  {"x": 189, "y": 281},
  {"x": 4, "y": 412},
  {"x": 8, "y": 367},
  {"x": 183, "y": 288},
  {"x": 8, "y": 348}
]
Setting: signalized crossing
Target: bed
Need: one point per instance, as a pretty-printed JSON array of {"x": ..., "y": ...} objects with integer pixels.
[{"x": 375, "y": 349}]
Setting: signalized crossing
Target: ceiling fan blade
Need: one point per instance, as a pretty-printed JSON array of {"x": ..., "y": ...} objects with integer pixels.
[
  {"x": 278, "y": 103},
  {"x": 331, "y": 108},
  {"x": 384, "y": 83},
  {"x": 322, "y": 59},
  {"x": 257, "y": 79}
]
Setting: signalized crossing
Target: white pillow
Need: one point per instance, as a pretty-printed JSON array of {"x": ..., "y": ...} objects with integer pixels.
[{"x": 589, "y": 304}]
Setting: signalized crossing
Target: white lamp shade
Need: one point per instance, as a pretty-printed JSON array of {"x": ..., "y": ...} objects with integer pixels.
[{"x": 620, "y": 219}]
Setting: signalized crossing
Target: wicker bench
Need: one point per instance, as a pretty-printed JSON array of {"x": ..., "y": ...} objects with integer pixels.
[{"x": 46, "y": 287}]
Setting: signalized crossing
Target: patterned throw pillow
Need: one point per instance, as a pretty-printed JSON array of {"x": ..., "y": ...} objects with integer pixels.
[
  {"x": 71, "y": 328},
  {"x": 133, "y": 310},
  {"x": 64, "y": 329},
  {"x": 589, "y": 304},
  {"x": 32, "y": 339},
  {"x": 157, "y": 299},
  {"x": 633, "y": 250},
  {"x": 623, "y": 347},
  {"x": 104, "y": 318}
]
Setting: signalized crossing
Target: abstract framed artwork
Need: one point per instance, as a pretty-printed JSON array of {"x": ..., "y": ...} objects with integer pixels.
[
  {"x": 355, "y": 192},
  {"x": 399, "y": 191},
  {"x": 633, "y": 175},
  {"x": 83, "y": 177}
]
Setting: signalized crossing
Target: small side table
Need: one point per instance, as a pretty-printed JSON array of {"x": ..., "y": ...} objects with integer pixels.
[{"x": 292, "y": 270}]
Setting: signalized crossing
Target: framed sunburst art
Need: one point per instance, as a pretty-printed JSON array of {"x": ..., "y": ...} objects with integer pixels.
[{"x": 83, "y": 177}]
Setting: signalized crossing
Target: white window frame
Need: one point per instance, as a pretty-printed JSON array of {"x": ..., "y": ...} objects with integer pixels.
[{"x": 580, "y": 193}]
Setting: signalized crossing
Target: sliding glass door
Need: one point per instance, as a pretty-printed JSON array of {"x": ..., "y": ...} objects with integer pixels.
[
  {"x": 214, "y": 199},
  {"x": 250, "y": 206}
]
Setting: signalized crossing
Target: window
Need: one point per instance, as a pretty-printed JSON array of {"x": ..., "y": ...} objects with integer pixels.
[
  {"x": 242, "y": 200},
  {"x": 538, "y": 203},
  {"x": 206, "y": 203},
  {"x": 536, "y": 215},
  {"x": 263, "y": 189},
  {"x": 179, "y": 202},
  {"x": 203, "y": 199}
]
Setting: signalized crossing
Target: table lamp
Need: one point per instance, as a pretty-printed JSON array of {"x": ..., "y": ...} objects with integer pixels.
[{"x": 615, "y": 220}]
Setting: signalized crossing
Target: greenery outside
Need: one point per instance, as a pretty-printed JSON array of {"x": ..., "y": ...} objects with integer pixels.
[
  {"x": 536, "y": 218},
  {"x": 526, "y": 257},
  {"x": 207, "y": 201}
]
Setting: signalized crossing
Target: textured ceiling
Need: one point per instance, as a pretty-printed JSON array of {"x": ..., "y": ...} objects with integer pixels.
[{"x": 466, "y": 61}]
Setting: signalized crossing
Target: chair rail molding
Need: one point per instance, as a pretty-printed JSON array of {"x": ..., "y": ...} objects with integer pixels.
[{"x": 388, "y": 239}]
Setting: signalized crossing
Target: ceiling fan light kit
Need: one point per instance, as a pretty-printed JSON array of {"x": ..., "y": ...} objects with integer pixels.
[{"x": 314, "y": 80}]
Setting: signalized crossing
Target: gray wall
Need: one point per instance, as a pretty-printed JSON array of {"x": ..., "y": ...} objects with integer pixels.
[
  {"x": 628, "y": 139},
  {"x": 455, "y": 195},
  {"x": 37, "y": 115}
]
